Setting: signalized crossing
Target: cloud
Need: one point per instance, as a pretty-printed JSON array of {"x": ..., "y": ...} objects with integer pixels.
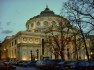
[{"x": 7, "y": 31}]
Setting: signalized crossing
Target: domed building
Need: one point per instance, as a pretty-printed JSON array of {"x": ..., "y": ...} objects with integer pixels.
[{"x": 47, "y": 35}]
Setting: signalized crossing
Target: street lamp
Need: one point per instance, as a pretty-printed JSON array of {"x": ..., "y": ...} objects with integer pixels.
[
  {"x": 31, "y": 54},
  {"x": 92, "y": 56},
  {"x": 37, "y": 53}
]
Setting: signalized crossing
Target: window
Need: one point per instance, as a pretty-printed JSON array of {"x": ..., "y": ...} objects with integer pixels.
[
  {"x": 36, "y": 40},
  {"x": 36, "y": 30},
  {"x": 53, "y": 23},
  {"x": 32, "y": 24},
  {"x": 28, "y": 26},
  {"x": 30, "y": 39},
  {"x": 12, "y": 43},
  {"x": 15, "y": 42},
  {"x": 38, "y": 23},
  {"x": 39, "y": 30},
  {"x": 45, "y": 23},
  {"x": 25, "y": 39},
  {"x": 60, "y": 23}
]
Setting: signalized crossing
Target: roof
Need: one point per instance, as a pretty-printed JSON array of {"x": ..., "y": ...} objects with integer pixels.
[{"x": 45, "y": 13}]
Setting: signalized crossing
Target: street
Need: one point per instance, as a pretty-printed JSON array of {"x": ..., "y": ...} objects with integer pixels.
[{"x": 26, "y": 68}]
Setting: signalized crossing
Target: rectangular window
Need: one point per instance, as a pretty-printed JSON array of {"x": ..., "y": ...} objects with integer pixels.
[
  {"x": 15, "y": 42},
  {"x": 12, "y": 43}
]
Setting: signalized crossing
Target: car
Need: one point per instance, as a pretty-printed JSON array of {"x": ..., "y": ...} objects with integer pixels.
[
  {"x": 20, "y": 63},
  {"x": 13, "y": 62},
  {"x": 7, "y": 63},
  {"x": 59, "y": 65},
  {"x": 83, "y": 65},
  {"x": 70, "y": 65},
  {"x": 51, "y": 63},
  {"x": 91, "y": 65},
  {"x": 17, "y": 63},
  {"x": 66, "y": 65},
  {"x": 40, "y": 64},
  {"x": 30, "y": 64},
  {"x": 46, "y": 64},
  {"x": 5, "y": 66}
]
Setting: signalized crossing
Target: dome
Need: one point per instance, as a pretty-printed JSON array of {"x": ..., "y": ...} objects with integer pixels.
[
  {"x": 45, "y": 19},
  {"x": 47, "y": 12}
]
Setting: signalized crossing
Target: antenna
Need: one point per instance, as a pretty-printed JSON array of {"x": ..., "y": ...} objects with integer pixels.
[{"x": 46, "y": 6}]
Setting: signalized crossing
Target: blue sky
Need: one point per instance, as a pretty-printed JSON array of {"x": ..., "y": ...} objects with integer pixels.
[{"x": 15, "y": 13}]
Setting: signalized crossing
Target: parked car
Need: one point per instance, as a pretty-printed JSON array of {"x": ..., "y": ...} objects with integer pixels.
[
  {"x": 83, "y": 65},
  {"x": 59, "y": 65},
  {"x": 91, "y": 65},
  {"x": 70, "y": 65},
  {"x": 5, "y": 66},
  {"x": 29, "y": 64},
  {"x": 66, "y": 65},
  {"x": 20, "y": 63},
  {"x": 52, "y": 63},
  {"x": 40, "y": 64},
  {"x": 7, "y": 63},
  {"x": 46, "y": 64}
]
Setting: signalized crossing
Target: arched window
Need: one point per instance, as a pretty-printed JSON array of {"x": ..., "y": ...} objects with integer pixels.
[
  {"x": 60, "y": 23},
  {"x": 28, "y": 26},
  {"x": 54, "y": 23},
  {"x": 32, "y": 24},
  {"x": 24, "y": 39},
  {"x": 45, "y": 23},
  {"x": 38, "y": 23},
  {"x": 30, "y": 39}
]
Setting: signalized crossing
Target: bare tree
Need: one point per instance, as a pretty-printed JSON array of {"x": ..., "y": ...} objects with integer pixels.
[
  {"x": 81, "y": 14},
  {"x": 62, "y": 35}
]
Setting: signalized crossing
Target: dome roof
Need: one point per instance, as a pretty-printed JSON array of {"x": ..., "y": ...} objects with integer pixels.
[
  {"x": 45, "y": 19},
  {"x": 47, "y": 12},
  {"x": 44, "y": 14}
]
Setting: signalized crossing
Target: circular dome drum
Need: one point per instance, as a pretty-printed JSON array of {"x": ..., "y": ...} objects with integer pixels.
[{"x": 46, "y": 19}]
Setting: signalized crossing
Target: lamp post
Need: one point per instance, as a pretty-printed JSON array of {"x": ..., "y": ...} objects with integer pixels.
[
  {"x": 92, "y": 56},
  {"x": 37, "y": 53},
  {"x": 31, "y": 54}
]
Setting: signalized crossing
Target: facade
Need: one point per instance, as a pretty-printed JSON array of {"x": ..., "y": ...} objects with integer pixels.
[
  {"x": 0, "y": 50},
  {"x": 92, "y": 46},
  {"x": 46, "y": 34}
]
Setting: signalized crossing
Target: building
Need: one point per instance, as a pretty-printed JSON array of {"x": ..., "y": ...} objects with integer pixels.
[
  {"x": 92, "y": 46},
  {"x": 0, "y": 50},
  {"x": 41, "y": 38}
]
